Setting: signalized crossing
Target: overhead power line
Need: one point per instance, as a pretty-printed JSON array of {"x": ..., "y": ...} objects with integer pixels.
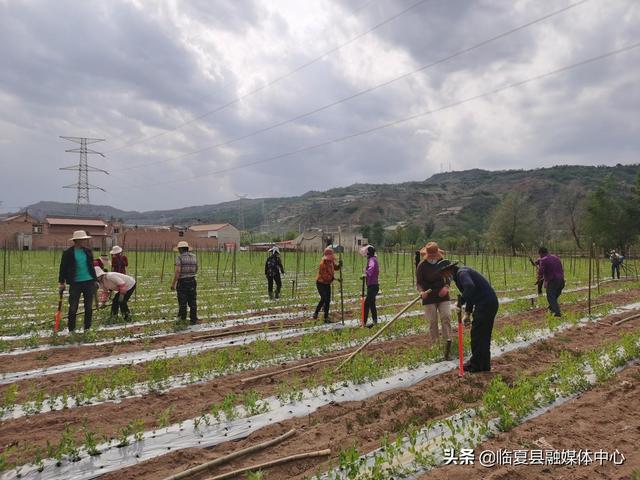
[
  {"x": 404, "y": 119},
  {"x": 270, "y": 82},
  {"x": 366, "y": 90}
]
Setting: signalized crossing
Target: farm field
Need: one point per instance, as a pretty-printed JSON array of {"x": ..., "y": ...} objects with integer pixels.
[{"x": 150, "y": 398}]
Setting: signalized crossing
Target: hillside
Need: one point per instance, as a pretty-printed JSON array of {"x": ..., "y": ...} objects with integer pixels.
[{"x": 468, "y": 195}]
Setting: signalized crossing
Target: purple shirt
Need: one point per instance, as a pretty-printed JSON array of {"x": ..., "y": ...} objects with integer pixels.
[
  {"x": 550, "y": 268},
  {"x": 372, "y": 271}
]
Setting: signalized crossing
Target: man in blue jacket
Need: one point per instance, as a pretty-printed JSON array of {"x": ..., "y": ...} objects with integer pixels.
[
  {"x": 479, "y": 300},
  {"x": 76, "y": 269}
]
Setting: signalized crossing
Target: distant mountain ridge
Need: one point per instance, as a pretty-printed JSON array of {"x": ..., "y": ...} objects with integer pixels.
[{"x": 454, "y": 200}]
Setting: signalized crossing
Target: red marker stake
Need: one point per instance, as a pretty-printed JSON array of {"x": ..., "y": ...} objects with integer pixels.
[{"x": 460, "y": 348}]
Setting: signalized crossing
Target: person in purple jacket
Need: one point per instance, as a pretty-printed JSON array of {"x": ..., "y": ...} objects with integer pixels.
[
  {"x": 373, "y": 287},
  {"x": 551, "y": 271}
]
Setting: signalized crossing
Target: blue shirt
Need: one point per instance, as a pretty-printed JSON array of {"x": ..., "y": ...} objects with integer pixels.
[
  {"x": 82, "y": 268},
  {"x": 475, "y": 289}
]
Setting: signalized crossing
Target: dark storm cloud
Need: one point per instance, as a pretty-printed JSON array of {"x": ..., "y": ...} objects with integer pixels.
[{"x": 127, "y": 71}]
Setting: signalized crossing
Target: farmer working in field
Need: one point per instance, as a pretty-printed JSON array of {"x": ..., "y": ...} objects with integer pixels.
[
  {"x": 371, "y": 273},
  {"x": 551, "y": 271},
  {"x": 119, "y": 261},
  {"x": 184, "y": 283},
  {"x": 76, "y": 269},
  {"x": 124, "y": 285},
  {"x": 272, "y": 270},
  {"x": 326, "y": 275},
  {"x": 616, "y": 261},
  {"x": 434, "y": 290},
  {"x": 479, "y": 300}
]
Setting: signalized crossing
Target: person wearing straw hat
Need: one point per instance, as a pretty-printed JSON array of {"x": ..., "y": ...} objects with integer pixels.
[
  {"x": 435, "y": 296},
  {"x": 480, "y": 301},
  {"x": 124, "y": 285},
  {"x": 76, "y": 269},
  {"x": 184, "y": 283},
  {"x": 272, "y": 270},
  {"x": 119, "y": 262},
  {"x": 324, "y": 279}
]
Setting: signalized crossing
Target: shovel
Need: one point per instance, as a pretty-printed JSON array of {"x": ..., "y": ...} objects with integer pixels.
[{"x": 58, "y": 315}]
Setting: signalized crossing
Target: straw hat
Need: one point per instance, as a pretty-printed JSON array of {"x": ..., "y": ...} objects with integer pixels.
[
  {"x": 444, "y": 264},
  {"x": 115, "y": 250},
  {"x": 182, "y": 244},
  {"x": 79, "y": 235},
  {"x": 99, "y": 272},
  {"x": 431, "y": 250}
]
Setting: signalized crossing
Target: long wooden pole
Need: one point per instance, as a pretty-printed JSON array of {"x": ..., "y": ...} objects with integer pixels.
[
  {"x": 231, "y": 456},
  {"x": 291, "y": 369},
  {"x": 589, "y": 294},
  {"x": 379, "y": 332},
  {"x": 299, "y": 456},
  {"x": 341, "y": 289}
]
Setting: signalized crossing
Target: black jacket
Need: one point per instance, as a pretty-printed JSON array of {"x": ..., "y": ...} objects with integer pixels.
[
  {"x": 68, "y": 266},
  {"x": 475, "y": 289}
]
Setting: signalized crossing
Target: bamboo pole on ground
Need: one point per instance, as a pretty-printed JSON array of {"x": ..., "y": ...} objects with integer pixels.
[
  {"x": 620, "y": 322},
  {"x": 379, "y": 332},
  {"x": 231, "y": 456},
  {"x": 271, "y": 463},
  {"x": 291, "y": 369}
]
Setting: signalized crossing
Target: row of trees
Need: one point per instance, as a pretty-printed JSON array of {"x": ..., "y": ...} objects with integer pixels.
[{"x": 609, "y": 216}]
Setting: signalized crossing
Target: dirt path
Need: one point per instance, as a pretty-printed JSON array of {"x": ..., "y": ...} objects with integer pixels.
[{"x": 361, "y": 423}]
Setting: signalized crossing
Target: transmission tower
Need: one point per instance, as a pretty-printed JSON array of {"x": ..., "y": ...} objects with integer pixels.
[
  {"x": 241, "y": 197},
  {"x": 83, "y": 186}
]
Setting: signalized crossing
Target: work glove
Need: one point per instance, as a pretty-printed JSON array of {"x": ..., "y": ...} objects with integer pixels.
[
  {"x": 466, "y": 319},
  {"x": 444, "y": 291}
]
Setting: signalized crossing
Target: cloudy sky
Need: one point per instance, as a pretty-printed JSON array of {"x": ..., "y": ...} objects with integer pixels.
[{"x": 201, "y": 100}]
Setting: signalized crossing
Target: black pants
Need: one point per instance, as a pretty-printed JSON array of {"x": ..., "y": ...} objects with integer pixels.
[
  {"x": 481, "y": 327},
  {"x": 324, "y": 289},
  {"x": 554, "y": 289},
  {"x": 123, "y": 306},
  {"x": 278, "y": 282},
  {"x": 370, "y": 303},
  {"x": 87, "y": 290},
  {"x": 615, "y": 269},
  {"x": 186, "y": 290}
]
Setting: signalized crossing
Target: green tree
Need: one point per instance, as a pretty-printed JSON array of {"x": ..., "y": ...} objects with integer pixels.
[
  {"x": 613, "y": 215},
  {"x": 429, "y": 228},
  {"x": 512, "y": 221},
  {"x": 412, "y": 235},
  {"x": 377, "y": 234}
]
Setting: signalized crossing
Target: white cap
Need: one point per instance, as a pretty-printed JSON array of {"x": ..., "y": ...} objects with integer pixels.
[
  {"x": 99, "y": 272},
  {"x": 115, "y": 250}
]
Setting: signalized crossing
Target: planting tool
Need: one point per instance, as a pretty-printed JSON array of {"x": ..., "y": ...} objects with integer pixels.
[
  {"x": 379, "y": 332},
  {"x": 362, "y": 298},
  {"x": 58, "y": 315},
  {"x": 291, "y": 369},
  {"x": 341, "y": 291},
  {"x": 231, "y": 456},
  {"x": 460, "y": 346}
]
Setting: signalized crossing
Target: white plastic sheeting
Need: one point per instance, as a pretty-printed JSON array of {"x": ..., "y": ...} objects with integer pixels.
[{"x": 185, "y": 435}]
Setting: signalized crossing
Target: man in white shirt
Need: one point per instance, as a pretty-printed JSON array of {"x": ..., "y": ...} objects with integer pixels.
[{"x": 122, "y": 284}]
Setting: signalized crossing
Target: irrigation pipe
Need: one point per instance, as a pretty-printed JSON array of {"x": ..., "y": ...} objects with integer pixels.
[
  {"x": 299, "y": 456},
  {"x": 297, "y": 367},
  {"x": 407, "y": 307},
  {"x": 231, "y": 456},
  {"x": 247, "y": 330}
]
